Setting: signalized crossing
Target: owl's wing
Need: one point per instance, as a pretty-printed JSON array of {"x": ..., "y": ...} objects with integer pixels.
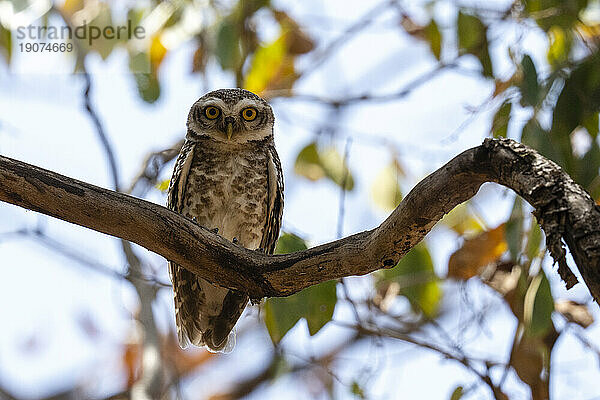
[
  {"x": 177, "y": 185},
  {"x": 275, "y": 202},
  {"x": 179, "y": 178},
  {"x": 175, "y": 199}
]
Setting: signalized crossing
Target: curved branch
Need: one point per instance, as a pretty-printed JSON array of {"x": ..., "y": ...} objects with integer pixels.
[{"x": 565, "y": 212}]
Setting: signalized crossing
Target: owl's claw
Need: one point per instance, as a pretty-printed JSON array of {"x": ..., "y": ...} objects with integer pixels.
[
  {"x": 195, "y": 220},
  {"x": 235, "y": 240},
  {"x": 215, "y": 230}
]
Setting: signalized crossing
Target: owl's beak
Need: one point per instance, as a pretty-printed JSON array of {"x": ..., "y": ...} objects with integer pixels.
[
  {"x": 229, "y": 130},
  {"x": 229, "y": 121}
]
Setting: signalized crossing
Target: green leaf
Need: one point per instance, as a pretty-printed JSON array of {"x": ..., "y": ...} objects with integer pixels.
[
  {"x": 386, "y": 191},
  {"x": 501, "y": 119},
  {"x": 335, "y": 168},
  {"x": 591, "y": 124},
  {"x": 314, "y": 164},
  {"x": 145, "y": 76},
  {"x": 458, "y": 393},
  {"x": 513, "y": 230},
  {"x": 534, "y": 239},
  {"x": 289, "y": 243},
  {"x": 308, "y": 163},
  {"x": 578, "y": 101},
  {"x": 357, "y": 390},
  {"x": 587, "y": 169},
  {"x": 434, "y": 38},
  {"x": 530, "y": 89},
  {"x": 102, "y": 21},
  {"x": 315, "y": 304},
  {"x": 148, "y": 87},
  {"x": 549, "y": 13},
  {"x": 470, "y": 31},
  {"x": 5, "y": 44},
  {"x": 472, "y": 39},
  {"x": 534, "y": 136},
  {"x": 417, "y": 280},
  {"x": 228, "y": 44},
  {"x": 249, "y": 7},
  {"x": 538, "y": 306}
]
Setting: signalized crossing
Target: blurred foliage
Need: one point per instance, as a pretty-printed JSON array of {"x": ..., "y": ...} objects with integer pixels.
[
  {"x": 558, "y": 96},
  {"x": 414, "y": 278},
  {"x": 472, "y": 39},
  {"x": 315, "y": 163},
  {"x": 314, "y": 304},
  {"x": 386, "y": 191}
]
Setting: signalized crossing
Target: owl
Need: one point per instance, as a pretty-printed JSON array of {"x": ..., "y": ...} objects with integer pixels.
[{"x": 227, "y": 178}]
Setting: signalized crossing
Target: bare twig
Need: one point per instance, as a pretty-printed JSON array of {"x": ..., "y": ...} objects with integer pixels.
[
  {"x": 150, "y": 383},
  {"x": 365, "y": 97},
  {"x": 363, "y": 22},
  {"x": 461, "y": 358},
  {"x": 152, "y": 166},
  {"x": 247, "y": 386}
]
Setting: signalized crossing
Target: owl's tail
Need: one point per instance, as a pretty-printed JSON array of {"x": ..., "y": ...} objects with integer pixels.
[{"x": 205, "y": 314}]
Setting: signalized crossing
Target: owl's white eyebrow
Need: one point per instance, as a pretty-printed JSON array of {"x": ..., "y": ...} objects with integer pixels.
[
  {"x": 213, "y": 101},
  {"x": 245, "y": 103}
]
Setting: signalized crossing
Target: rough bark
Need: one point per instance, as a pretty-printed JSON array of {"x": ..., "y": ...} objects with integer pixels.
[{"x": 564, "y": 210}]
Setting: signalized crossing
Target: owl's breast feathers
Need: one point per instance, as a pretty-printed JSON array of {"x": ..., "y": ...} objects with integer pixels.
[
  {"x": 239, "y": 190},
  {"x": 228, "y": 188}
]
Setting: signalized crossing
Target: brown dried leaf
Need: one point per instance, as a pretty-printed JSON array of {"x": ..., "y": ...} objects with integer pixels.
[
  {"x": 477, "y": 253},
  {"x": 298, "y": 41},
  {"x": 530, "y": 358},
  {"x": 575, "y": 312},
  {"x": 199, "y": 59},
  {"x": 131, "y": 359},
  {"x": 412, "y": 28}
]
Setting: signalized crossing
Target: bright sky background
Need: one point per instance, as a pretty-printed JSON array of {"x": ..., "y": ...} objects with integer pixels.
[{"x": 42, "y": 122}]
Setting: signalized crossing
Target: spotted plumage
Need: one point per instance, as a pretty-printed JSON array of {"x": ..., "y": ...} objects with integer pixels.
[{"x": 227, "y": 177}]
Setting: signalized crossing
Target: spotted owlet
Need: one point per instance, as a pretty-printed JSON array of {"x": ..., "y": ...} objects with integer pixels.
[{"x": 227, "y": 178}]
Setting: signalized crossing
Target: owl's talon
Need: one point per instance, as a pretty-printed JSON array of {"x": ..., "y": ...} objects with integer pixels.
[
  {"x": 195, "y": 220},
  {"x": 235, "y": 240},
  {"x": 215, "y": 230}
]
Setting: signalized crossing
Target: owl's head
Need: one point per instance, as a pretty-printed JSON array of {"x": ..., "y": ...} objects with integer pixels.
[{"x": 230, "y": 115}]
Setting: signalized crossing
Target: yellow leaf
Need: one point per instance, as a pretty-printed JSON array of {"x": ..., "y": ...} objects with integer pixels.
[
  {"x": 164, "y": 185},
  {"x": 476, "y": 253},
  {"x": 462, "y": 221},
  {"x": 272, "y": 67},
  {"x": 386, "y": 191},
  {"x": 157, "y": 52},
  {"x": 71, "y": 6},
  {"x": 558, "y": 51}
]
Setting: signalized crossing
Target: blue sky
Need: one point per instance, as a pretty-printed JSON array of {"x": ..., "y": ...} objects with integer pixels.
[{"x": 42, "y": 122}]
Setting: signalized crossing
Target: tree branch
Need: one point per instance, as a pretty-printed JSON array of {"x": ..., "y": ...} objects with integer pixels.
[{"x": 565, "y": 212}]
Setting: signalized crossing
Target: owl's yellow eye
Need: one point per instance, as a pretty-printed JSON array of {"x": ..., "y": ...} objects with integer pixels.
[
  {"x": 249, "y": 113},
  {"x": 211, "y": 112}
]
